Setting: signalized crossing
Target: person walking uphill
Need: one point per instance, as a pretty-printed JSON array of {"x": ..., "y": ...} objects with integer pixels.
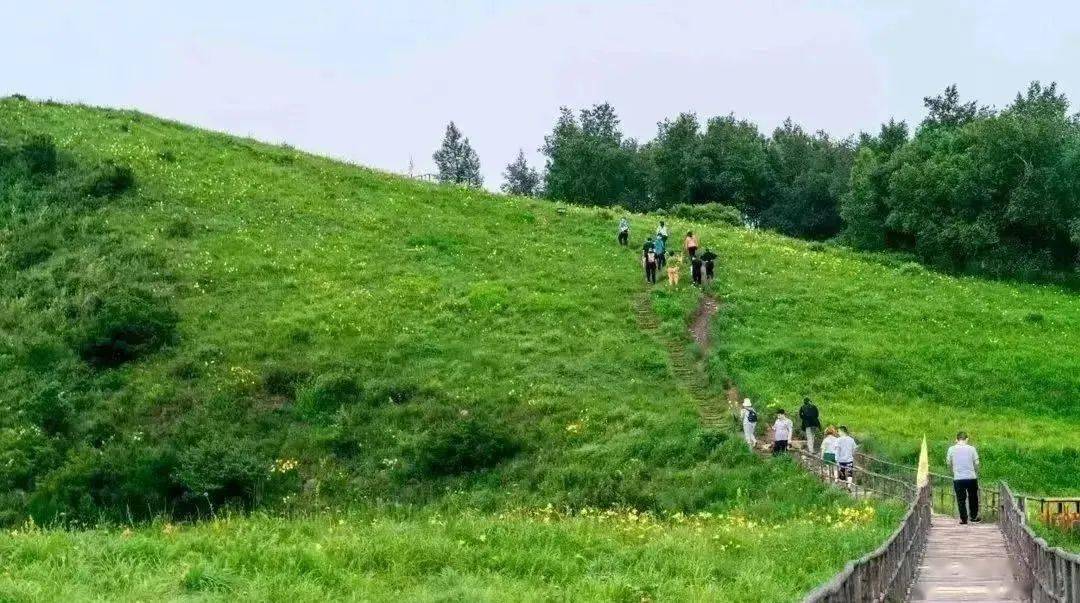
[
  {"x": 648, "y": 261},
  {"x": 661, "y": 231},
  {"x": 690, "y": 244},
  {"x": 749, "y": 423},
  {"x": 963, "y": 459},
  {"x": 845, "y": 455},
  {"x": 782, "y": 430},
  {"x": 624, "y": 232},
  {"x": 811, "y": 424},
  {"x": 661, "y": 248},
  {"x": 709, "y": 258}
]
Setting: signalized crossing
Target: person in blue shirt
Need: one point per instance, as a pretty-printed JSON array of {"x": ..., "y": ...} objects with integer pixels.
[{"x": 659, "y": 248}]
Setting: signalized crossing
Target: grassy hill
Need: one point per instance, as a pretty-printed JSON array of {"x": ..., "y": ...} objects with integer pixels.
[{"x": 401, "y": 377}]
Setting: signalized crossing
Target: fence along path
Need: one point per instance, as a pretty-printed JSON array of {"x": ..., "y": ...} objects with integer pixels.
[{"x": 929, "y": 557}]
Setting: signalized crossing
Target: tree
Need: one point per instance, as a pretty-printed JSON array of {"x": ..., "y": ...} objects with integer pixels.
[
  {"x": 735, "y": 166},
  {"x": 946, "y": 110},
  {"x": 676, "y": 160},
  {"x": 589, "y": 162},
  {"x": 456, "y": 160},
  {"x": 520, "y": 178}
]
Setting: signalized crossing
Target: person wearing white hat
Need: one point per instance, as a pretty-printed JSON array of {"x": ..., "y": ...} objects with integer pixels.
[{"x": 749, "y": 422}]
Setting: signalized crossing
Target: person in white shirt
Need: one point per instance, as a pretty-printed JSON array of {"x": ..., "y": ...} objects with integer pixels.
[
  {"x": 749, "y": 423},
  {"x": 662, "y": 231},
  {"x": 828, "y": 450},
  {"x": 782, "y": 429},
  {"x": 845, "y": 455},
  {"x": 963, "y": 459}
]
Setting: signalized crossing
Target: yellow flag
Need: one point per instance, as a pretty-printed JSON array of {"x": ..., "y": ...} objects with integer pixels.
[{"x": 922, "y": 476}]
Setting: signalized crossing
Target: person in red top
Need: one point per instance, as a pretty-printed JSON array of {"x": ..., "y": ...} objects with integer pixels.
[{"x": 690, "y": 244}]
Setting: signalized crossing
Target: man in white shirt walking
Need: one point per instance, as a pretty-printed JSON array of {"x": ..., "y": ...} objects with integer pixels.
[
  {"x": 845, "y": 455},
  {"x": 782, "y": 429},
  {"x": 963, "y": 459}
]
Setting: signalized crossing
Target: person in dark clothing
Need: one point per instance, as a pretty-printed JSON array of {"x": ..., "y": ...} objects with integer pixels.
[
  {"x": 708, "y": 257},
  {"x": 811, "y": 424},
  {"x": 648, "y": 260},
  {"x": 695, "y": 269}
]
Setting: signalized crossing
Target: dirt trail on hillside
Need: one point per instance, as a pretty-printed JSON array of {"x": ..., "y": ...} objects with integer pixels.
[{"x": 701, "y": 330}]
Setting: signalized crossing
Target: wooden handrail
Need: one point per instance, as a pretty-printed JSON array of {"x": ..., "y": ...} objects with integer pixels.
[
  {"x": 1050, "y": 573},
  {"x": 887, "y": 573}
]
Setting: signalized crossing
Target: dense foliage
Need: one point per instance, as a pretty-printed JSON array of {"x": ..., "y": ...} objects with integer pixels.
[
  {"x": 790, "y": 181},
  {"x": 974, "y": 190},
  {"x": 993, "y": 192},
  {"x": 521, "y": 179}
]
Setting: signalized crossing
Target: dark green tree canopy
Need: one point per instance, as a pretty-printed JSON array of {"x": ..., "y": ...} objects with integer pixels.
[
  {"x": 456, "y": 160},
  {"x": 520, "y": 178}
]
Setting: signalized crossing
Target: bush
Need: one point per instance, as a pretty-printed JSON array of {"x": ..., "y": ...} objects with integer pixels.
[
  {"x": 1034, "y": 317},
  {"x": 220, "y": 470},
  {"x": 39, "y": 153},
  {"x": 717, "y": 213},
  {"x": 282, "y": 380},
  {"x": 110, "y": 180},
  {"x": 125, "y": 327},
  {"x": 180, "y": 228},
  {"x": 468, "y": 445},
  {"x": 911, "y": 268},
  {"x": 328, "y": 393}
]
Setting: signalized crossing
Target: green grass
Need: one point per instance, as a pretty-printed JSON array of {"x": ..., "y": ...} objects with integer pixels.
[
  {"x": 347, "y": 340},
  {"x": 461, "y": 556}
]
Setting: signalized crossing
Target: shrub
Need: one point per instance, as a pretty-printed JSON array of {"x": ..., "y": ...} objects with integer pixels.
[
  {"x": 911, "y": 268},
  {"x": 467, "y": 445},
  {"x": 708, "y": 212},
  {"x": 167, "y": 156},
  {"x": 1034, "y": 317},
  {"x": 31, "y": 249},
  {"x": 328, "y": 393},
  {"x": 109, "y": 180},
  {"x": 40, "y": 154},
  {"x": 180, "y": 228},
  {"x": 125, "y": 327},
  {"x": 282, "y": 380},
  {"x": 220, "y": 470}
]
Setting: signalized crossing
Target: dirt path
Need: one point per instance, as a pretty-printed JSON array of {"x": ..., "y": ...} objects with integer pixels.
[{"x": 691, "y": 371}]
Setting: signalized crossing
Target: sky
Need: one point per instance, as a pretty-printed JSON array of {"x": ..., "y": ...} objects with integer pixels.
[{"x": 377, "y": 82}]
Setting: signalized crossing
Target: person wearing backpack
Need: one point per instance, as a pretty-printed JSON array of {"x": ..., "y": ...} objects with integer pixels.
[
  {"x": 749, "y": 423},
  {"x": 660, "y": 247},
  {"x": 648, "y": 260}
]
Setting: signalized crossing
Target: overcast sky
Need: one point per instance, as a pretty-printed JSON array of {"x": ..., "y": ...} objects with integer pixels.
[{"x": 376, "y": 82}]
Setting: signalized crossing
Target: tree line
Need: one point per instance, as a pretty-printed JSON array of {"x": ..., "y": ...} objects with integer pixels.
[{"x": 970, "y": 188}]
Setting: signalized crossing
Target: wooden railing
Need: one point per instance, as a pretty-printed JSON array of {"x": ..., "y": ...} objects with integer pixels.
[
  {"x": 887, "y": 573},
  {"x": 865, "y": 483},
  {"x": 1052, "y": 574},
  {"x": 944, "y": 495}
]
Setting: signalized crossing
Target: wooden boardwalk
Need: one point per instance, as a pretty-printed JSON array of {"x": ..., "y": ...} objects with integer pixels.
[{"x": 965, "y": 563}]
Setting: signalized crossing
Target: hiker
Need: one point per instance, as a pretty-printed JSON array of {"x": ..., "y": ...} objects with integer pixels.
[
  {"x": 690, "y": 244},
  {"x": 695, "y": 269},
  {"x": 811, "y": 425},
  {"x": 782, "y": 429},
  {"x": 749, "y": 423},
  {"x": 845, "y": 455},
  {"x": 829, "y": 445},
  {"x": 648, "y": 260},
  {"x": 963, "y": 459},
  {"x": 660, "y": 247},
  {"x": 661, "y": 231},
  {"x": 708, "y": 257},
  {"x": 673, "y": 273},
  {"x": 624, "y": 232}
]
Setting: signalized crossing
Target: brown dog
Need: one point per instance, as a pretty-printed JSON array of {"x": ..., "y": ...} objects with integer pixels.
[{"x": 672, "y": 275}]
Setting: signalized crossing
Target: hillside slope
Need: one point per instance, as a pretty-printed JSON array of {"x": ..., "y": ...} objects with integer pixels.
[{"x": 251, "y": 327}]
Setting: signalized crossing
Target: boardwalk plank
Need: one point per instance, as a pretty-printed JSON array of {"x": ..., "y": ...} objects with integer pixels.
[{"x": 965, "y": 563}]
